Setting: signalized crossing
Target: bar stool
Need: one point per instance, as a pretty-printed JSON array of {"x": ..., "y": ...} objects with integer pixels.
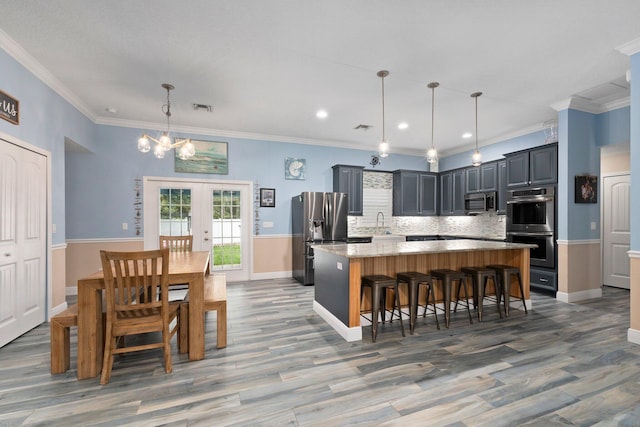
[
  {"x": 480, "y": 277},
  {"x": 379, "y": 284},
  {"x": 447, "y": 277},
  {"x": 414, "y": 279},
  {"x": 504, "y": 272}
]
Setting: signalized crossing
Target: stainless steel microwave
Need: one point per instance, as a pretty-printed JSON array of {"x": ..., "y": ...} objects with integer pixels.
[{"x": 479, "y": 203}]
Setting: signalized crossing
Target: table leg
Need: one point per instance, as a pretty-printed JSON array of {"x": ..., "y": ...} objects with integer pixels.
[
  {"x": 222, "y": 325},
  {"x": 90, "y": 339},
  {"x": 196, "y": 318}
]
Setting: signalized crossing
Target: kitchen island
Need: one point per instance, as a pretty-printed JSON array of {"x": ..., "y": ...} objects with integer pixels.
[{"x": 338, "y": 269}]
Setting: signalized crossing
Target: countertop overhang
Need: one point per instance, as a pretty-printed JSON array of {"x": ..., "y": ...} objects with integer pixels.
[{"x": 367, "y": 250}]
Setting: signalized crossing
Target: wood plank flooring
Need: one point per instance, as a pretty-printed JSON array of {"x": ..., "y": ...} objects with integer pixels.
[{"x": 560, "y": 365}]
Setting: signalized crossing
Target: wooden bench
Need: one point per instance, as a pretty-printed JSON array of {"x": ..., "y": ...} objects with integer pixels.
[
  {"x": 61, "y": 323},
  {"x": 215, "y": 299}
]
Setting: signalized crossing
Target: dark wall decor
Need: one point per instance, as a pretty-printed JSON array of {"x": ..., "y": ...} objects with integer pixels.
[
  {"x": 586, "y": 189},
  {"x": 9, "y": 108},
  {"x": 267, "y": 197}
]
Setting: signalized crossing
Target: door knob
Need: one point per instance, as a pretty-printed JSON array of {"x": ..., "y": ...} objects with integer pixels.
[{"x": 206, "y": 240}]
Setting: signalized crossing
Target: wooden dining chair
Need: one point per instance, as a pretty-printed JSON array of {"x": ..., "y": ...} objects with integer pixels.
[
  {"x": 176, "y": 243},
  {"x": 136, "y": 288}
]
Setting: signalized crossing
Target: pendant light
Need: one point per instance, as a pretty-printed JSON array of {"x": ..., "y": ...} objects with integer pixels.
[
  {"x": 432, "y": 153},
  {"x": 383, "y": 147},
  {"x": 476, "y": 158}
]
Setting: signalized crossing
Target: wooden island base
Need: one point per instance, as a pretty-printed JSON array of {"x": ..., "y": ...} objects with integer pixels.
[{"x": 338, "y": 269}]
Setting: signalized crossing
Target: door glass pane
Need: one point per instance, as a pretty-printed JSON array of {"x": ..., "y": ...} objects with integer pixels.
[
  {"x": 175, "y": 211},
  {"x": 226, "y": 240}
]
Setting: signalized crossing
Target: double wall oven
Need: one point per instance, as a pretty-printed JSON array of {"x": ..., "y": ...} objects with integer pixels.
[{"x": 531, "y": 219}]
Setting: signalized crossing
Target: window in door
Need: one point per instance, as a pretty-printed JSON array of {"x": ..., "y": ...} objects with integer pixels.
[
  {"x": 227, "y": 230},
  {"x": 175, "y": 211}
]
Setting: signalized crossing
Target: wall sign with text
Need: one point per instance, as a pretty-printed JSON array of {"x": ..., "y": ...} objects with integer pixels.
[{"x": 9, "y": 108}]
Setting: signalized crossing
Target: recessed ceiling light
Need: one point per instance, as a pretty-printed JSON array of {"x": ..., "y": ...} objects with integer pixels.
[
  {"x": 322, "y": 114},
  {"x": 403, "y": 125},
  {"x": 467, "y": 135},
  {"x": 111, "y": 110}
]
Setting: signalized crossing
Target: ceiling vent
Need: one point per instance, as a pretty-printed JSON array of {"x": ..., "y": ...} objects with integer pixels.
[
  {"x": 363, "y": 127},
  {"x": 202, "y": 107}
]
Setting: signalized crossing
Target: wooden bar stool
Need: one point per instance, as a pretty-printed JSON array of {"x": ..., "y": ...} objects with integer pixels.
[
  {"x": 447, "y": 277},
  {"x": 480, "y": 277},
  {"x": 504, "y": 273},
  {"x": 414, "y": 279},
  {"x": 379, "y": 284}
]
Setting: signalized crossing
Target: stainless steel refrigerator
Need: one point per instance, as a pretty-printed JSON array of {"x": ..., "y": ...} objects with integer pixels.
[{"x": 316, "y": 218}]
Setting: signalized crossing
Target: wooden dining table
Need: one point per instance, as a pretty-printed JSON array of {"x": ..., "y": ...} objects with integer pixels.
[{"x": 184, "y": 268}]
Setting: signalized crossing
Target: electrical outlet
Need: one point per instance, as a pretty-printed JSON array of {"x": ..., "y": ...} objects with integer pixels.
[
  {"x": 267, "y": 224},
  {"x": 339, "y": 266},
  {"x": 125, "y": 226},
  {"x": 593, "y": 225}
]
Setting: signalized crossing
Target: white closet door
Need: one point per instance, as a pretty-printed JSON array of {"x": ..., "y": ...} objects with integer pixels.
[
  {"x": 616, "y": 230},
  {"x": 23, "y": 204}
]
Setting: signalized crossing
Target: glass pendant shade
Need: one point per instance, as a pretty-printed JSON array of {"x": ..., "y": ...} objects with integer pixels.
[
  {"x": 165, "y": 141},
  {"x": 476, "y": 158},
  {"x": 144, "y": 146},
  {"x": 158, "y": 151},
  {"x": 383, "y": 148},
  {"x": 432, "y": 155}
]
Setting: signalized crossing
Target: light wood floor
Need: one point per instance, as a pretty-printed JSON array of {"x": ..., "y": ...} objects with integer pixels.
[{"x": 562, "y": 364}]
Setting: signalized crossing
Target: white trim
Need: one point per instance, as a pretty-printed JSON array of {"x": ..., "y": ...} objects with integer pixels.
[
  {"x": 578, "y": 242},
  {"x": 39, "y": 71},
  {"x": 106, "y": 240},
  {"x": 634, "y": 254},
  {"x": 633, "y": 335},
  {"x": 630, "y": 48},
  {"x": 579, "y": 296},
  {"x": 57, "y": 309},
  {"x": 617, "y": 104},
  {"x": 59, "y": 246},
  {"x": 273, "y": 236},
  {"x": 349, "y": 334},
  {"x": 272, "y": 275},
  {"x": 70, "y": 290}
]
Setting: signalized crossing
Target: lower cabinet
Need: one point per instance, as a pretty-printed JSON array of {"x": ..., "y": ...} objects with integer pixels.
[{"x": 415, "y": 193}]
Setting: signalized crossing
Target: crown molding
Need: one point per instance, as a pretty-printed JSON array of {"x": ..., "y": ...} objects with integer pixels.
[
  {"x": 630, "y": 48},
  {"x": 617, "y": 104},
  {"x": 575, "y": 103},
  {"x": 39, "y": 71},
  {"x": 220, "y": 133}
]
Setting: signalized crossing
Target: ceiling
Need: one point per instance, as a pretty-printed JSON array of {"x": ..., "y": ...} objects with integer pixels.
[{"x": 266, "y": 67}]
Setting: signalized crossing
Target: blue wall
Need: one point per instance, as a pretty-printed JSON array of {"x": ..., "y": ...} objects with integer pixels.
[
  {"x": 45, "y": 120},
  {"x": 100, "y": 183}
]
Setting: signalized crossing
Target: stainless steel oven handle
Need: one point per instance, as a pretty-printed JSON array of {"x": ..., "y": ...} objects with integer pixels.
[
  {"x": 530, "y": 234},
  {"x": 529, "y": 200}
]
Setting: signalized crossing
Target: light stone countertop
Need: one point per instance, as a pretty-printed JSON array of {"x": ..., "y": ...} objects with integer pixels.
[{"x": 368, "y": 250}]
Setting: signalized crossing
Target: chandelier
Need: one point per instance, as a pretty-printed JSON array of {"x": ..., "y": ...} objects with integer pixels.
[
  {"x": 476, "y": 158},
  {"x": 184, "y": 147},
  {"x": 383, "y": 147},
  {"x": 432, "y": 153}
]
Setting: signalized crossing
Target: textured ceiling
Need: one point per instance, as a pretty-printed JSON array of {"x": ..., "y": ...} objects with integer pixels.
[{"x": 267, "y": 66}]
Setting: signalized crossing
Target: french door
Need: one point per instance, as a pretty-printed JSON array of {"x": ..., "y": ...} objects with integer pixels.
[{"x": 217, "y": 214}]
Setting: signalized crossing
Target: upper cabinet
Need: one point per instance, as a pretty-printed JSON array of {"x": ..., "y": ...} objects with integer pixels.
[
  {"x": 482, "y": 178},
  {"x": 348, "y": 179},
  {"x": 502, "y": 187},
  {"x": 452, "y": 189},
  {"x": 537, "y": 166},
  {"x": 414, "y": 193}
]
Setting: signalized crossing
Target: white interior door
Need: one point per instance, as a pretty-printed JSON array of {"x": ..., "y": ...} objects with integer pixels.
[
  {"x": 615, "y": 230},
  {"x": 217, "y": 214},
  {"x": 23, "y": 241}
]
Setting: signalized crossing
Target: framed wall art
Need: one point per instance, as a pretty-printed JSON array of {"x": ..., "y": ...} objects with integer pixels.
[
  {"x": 267, "y": 197},
  {"x": 210, "y": 157},
  {"x": 586, "y": 189},
  {"x": 295, "y": 168}
]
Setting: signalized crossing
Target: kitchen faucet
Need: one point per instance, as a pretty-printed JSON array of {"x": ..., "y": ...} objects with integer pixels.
[{"x": 377, "y": 218}]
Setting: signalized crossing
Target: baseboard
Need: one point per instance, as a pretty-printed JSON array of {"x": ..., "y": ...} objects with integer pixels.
[
  {"x": 579, "y": 296},
  {"x": 272, "y": 275},
  {"x": 633, "y": 335},
  {"x": 58, "y": 309},
  {"x": 349, "y": 334},
  {"x": 70, "y": 290}
]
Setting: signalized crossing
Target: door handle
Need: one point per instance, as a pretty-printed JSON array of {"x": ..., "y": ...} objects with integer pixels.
[
  {"x": 206, "y": 239},
  {"x": 7, "y": 254}
]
